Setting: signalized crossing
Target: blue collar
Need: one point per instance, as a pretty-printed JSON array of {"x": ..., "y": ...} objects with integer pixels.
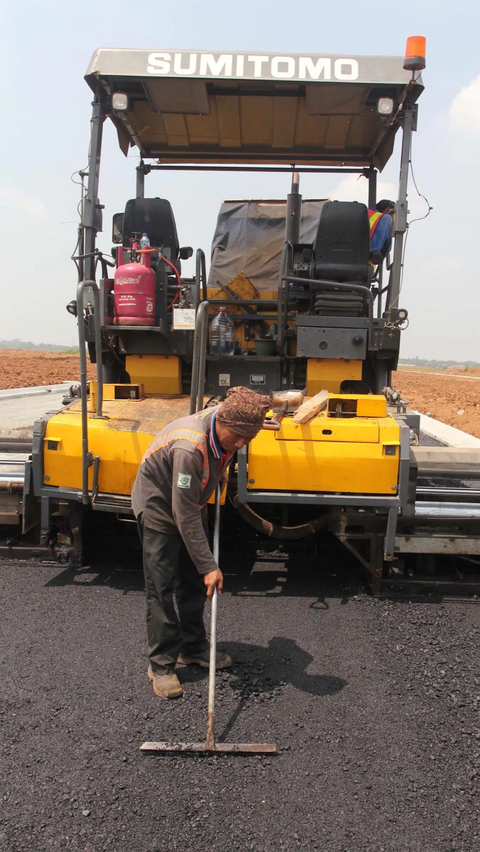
[{"x": 215, "y": 445}]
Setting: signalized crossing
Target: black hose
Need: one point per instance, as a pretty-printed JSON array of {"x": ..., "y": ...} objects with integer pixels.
[{"x": 277, "y": 530}]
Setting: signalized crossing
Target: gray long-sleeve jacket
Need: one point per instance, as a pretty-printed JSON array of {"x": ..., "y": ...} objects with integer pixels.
[{"x": 180, "y": 470}]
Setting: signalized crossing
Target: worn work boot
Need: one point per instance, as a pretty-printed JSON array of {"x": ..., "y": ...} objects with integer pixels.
[
  {"x": 165, "y": 684},
  {"x": 222, "y": 661}
]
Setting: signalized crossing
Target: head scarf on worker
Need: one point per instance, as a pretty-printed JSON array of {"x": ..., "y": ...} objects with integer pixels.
[{"x": 244, "y": 411}]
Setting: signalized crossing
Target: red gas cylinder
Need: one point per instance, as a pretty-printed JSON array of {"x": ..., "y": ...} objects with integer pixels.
[{"x": 134, "y": 293}]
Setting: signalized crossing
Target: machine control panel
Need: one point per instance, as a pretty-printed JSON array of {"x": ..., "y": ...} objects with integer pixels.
[{"x": 318, "y": 341}]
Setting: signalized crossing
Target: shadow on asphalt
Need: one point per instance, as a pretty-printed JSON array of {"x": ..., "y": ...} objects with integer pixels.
[
  {"x": 295, "y": 578},
  {"x": 118, "y": 577},
  {"x": 328, "y": 573},
  {"x": 286, "y": 662},
  {"x": 287, "y": 579},
  {"x": 260, "y": 671},
  {"x": 282, "y": 661}
]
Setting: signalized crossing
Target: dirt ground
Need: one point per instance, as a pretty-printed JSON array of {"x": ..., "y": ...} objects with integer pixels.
[
  {"x": 452, "y": 399},
  {"x": 441, "y": 395},
  {"x": 27, "y": 368}
]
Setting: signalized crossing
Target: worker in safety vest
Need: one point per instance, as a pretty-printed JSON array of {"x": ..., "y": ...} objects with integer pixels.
[
  {"x": 179, "y": 472},
  {"x": 381, "y": 226}
]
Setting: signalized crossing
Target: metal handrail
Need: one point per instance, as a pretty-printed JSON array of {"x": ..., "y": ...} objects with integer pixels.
[
  {"x": 199, "y": 357},
  {"x": 335, "y": 285},
  {"x": 380, "y": 291},
  {"x": 243, "y": 303},
  {"x": 201, "y": 274},
  {"x": 283, "y": 299},
  {"x": 87, "y": 460}
]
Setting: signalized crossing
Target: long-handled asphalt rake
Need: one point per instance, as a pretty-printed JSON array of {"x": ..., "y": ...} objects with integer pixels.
[{"x": 210, "y": 746}]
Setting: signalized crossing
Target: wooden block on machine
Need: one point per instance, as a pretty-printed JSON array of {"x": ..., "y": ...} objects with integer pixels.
[{"x": 311, "y": 407}]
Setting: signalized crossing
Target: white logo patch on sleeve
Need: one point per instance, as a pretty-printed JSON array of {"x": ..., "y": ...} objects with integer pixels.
[{"x": 184, "y": 480}]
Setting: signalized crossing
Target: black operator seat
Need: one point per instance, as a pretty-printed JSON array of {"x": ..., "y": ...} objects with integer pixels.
[
  {"x": 153, "y": 216},
  {"x": 341, "y": 253}
]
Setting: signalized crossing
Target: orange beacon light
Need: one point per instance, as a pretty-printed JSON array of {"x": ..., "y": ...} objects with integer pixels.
[{"x": 415, "y": 53}]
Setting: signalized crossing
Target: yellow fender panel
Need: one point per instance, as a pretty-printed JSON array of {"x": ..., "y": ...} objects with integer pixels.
[
  {"x": 353, "y": 456},
  {"x": 120, "y": 441}
]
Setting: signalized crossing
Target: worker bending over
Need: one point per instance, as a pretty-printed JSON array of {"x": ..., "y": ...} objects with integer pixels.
[{"x": 179, "y": 472}]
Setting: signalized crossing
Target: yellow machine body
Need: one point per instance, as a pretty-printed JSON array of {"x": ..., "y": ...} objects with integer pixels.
[
  {"x": 159, "y": 374},
  {"x": 119, "y": 441},
  {"x": 112, "y": 391},
  {"x": 356, "y": 454},
  {"x": 329, "y": 373}
]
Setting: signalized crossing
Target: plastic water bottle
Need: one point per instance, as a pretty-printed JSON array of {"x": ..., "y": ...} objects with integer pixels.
[
  {"x": 144, "y": 242},
  {"x": 222, "y": 341}
]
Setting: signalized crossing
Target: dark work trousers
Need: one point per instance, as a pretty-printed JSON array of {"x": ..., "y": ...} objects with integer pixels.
[{"x": 168, "y": 569}]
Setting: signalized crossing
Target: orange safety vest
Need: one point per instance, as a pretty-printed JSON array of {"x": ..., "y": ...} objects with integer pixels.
[{"x": 374, "y": 217}]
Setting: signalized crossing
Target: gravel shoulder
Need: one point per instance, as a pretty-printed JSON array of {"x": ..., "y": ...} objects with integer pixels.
[{"x": 372, "y": 704}]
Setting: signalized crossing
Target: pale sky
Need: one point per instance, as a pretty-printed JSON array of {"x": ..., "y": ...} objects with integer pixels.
[{"x": 46, "y": 46}]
